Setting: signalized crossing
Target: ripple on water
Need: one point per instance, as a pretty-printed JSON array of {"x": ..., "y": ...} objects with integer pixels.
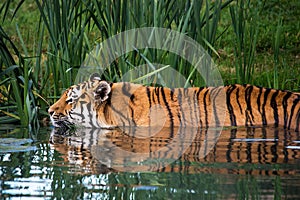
[
  {"x": 31, "y": 186},
  {"x": 10, "y": 145}
]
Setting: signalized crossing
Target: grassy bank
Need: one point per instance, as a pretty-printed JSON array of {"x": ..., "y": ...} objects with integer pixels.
[{"x": 43, "y": 44}]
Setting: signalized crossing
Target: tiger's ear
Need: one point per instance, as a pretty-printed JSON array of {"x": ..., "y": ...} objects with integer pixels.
[
  {"x": 95, "y": 76},
  {"x": 101, "y": 93}
]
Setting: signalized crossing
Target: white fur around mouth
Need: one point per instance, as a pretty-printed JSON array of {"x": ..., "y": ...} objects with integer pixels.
[{"x": 63, "y": 122}]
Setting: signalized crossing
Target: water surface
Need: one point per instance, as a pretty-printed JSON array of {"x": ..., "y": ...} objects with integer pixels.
[{"x": 182, "y": 163}]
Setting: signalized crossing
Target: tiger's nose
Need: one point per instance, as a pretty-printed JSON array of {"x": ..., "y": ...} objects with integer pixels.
[{"x": 50, "y": 111}]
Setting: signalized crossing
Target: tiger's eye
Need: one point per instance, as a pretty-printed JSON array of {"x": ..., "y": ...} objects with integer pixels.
[{"x": 69, "y": 101}]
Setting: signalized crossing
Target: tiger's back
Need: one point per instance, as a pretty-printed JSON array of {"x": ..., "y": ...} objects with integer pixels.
[
  {"x": 101, "y": 104},
  {"x": 233, "y": 105}
]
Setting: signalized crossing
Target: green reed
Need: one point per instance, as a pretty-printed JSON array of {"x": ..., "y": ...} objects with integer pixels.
[
  {"x": 65, "y": 23},
  {"x": 196, "y": 19},
  {"x": 276, "y": 48},
  {"x": 245, "y": 26},
  {"x": 17, "y": 85},
  {"x": 279, "y": 76}
]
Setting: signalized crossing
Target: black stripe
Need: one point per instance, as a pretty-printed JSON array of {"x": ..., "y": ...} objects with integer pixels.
[
  {"x": 197, "y": 144},
  {"x": 263, "y": 114},
  {"x": 264, "y": 152},
  {"x": 258, "y": 98},
  {"x": 156, "y": 90},
  {"x": 198, "y": 93},
  {"x": 258, "y": 102},
  {"x": 205, "y": 108},
  {"x": 89, "y": 107},
  {"x": 69, "y": 113},
  {"x": 284, "y": 105},
  {"x": 285, "y": 143},
  {"x": 125, "y": 90},
  {"x": 229, "y": 146},
  {"x": 132, "y": 98},
  {"x": 248, "y": 93},
  {"x": 189, "y": 103},
  {"x": 295, "y": 102},
  {"x": 274, "y": 147},
  {"x": 148, "y": 95},
  {"x": 78, "y": 87},
  {"x": 196, "y": 108},
  {"x": 181, "y": 112},
  {"x": 132, "y": 114},
  {"x": 167, "y": 106},
  {"x": 248, "y": 152},
  {"x": 237, "y": 96},
  {"x": 217, "y": 89},
  {"x": 259, "y": 153},
  {"x": 75, "y": 114},
  {"x": 274, "y": 106},
  {"x": 297, "y": 121},
  {"x": 149, "y": 99},
  {"x": 265, "y": 146},
  {"x": 153, "y": 96},
  {"x": 74, "y": 95},
  {"x": 229, "y": 106}
]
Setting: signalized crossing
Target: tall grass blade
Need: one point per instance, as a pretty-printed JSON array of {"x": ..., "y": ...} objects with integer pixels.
[{"x": 244, "y": 22}]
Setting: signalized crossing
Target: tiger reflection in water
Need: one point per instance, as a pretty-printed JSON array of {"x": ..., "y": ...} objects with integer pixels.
[{"x": 103, "y": 151}]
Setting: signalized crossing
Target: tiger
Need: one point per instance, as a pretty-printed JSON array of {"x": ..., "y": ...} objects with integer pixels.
[{"x": 98, "y": 103}]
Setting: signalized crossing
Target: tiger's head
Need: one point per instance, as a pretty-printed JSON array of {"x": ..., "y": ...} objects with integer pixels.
[{"x": 78, "y": 104}]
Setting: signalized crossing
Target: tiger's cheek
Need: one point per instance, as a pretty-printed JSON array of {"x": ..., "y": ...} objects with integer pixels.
[{"x": 68, "y": 108}]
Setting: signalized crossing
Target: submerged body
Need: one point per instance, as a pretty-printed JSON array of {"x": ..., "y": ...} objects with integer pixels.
[{"x": 100, "y": 104}]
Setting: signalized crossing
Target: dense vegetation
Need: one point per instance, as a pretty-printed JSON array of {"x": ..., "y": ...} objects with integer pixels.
[{"x": 43, "y": 44}]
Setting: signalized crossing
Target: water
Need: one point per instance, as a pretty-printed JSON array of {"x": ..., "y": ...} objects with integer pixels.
[{"x": 185, "y": 163}]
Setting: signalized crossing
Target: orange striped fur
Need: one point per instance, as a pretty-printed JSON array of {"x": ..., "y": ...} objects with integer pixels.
[{"x": 101, "y": 104}]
